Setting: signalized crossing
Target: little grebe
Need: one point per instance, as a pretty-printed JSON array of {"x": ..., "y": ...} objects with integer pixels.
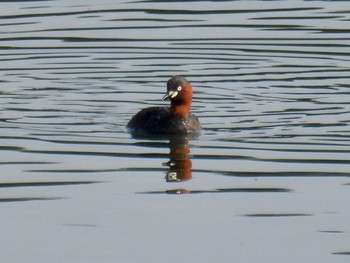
[{"x": 175, "y": 119}]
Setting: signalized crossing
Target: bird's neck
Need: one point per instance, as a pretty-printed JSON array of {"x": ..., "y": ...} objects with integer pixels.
[{"x": 181, "y": 109}]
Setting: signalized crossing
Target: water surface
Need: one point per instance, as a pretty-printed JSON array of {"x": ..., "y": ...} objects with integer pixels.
[{"x": 266, "y": 181}]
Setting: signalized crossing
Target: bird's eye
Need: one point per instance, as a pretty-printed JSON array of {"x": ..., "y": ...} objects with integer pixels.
[{"x": 179, "y": 88}]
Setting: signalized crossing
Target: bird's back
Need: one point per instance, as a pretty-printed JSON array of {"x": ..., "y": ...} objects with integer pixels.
[{"x": 159, "y": 120}]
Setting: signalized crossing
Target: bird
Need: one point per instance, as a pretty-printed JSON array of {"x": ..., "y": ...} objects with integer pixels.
[{"x": 176, "y": 119}]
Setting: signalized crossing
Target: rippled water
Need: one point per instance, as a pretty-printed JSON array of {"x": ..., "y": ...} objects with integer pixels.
[{"x": 266, "y": 181}]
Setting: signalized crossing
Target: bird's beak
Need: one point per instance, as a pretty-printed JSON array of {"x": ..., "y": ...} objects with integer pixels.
[{"x": 170, "y": 95}]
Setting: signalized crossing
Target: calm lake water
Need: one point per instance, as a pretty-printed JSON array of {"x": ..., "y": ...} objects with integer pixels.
[{"x": 266, "y": 181}]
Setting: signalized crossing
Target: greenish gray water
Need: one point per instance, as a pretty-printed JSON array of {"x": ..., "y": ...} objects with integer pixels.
[{"x": 267, "y": 180}]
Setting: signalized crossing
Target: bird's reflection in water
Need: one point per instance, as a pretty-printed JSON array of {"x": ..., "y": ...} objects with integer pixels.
[{"x": 180, "y": 164}]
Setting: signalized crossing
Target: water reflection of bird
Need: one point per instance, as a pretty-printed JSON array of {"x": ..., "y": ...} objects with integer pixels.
[
  {"x": 176, "y": 119},
  {"x": 180, "y": 165}
]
